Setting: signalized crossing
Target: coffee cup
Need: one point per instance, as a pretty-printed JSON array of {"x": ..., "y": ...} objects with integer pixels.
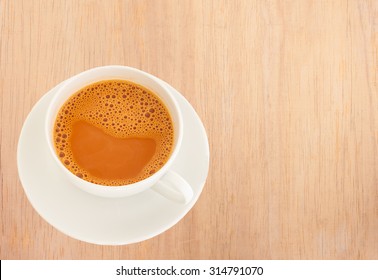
[{"x": 164, "y": 181}]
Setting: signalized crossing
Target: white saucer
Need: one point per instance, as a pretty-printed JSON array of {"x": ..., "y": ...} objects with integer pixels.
[{"x": 106, "y": 221}]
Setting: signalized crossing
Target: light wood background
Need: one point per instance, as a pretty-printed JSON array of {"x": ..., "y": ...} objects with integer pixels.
[{"x": 287, "y": 91}]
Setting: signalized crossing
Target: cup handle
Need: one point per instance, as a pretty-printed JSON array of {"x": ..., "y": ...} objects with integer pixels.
[{"x": 173, "y": 187}]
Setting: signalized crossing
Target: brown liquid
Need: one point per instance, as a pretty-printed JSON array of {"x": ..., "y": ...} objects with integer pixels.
[{"x": 113, "y": 133}]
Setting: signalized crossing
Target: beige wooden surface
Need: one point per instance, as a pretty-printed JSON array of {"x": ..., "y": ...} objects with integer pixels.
[{"x": 287, "y": 91}]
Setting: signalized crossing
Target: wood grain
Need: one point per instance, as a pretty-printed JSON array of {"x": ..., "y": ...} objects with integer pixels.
[{"x": 287, "y": 91}]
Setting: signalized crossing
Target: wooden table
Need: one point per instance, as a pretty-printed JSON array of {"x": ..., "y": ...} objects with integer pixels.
[{"x": 287, "y": 91}]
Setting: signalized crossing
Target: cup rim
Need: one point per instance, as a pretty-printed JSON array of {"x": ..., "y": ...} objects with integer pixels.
[{"x": 135, "y": 187}]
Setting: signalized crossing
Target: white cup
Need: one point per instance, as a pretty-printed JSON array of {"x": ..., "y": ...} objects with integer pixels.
[{"x": 165, "y": 181}]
